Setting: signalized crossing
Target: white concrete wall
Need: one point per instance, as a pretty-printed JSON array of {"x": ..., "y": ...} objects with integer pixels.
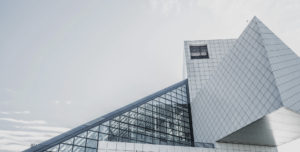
[{"x": 107, "y": 146}]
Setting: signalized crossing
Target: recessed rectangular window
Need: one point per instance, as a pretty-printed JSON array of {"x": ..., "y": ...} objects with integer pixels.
[{"x": 199, "y": 52}]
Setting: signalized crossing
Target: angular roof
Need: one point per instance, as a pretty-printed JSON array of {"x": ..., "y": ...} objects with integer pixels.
[
  {"x": 258, "y": 76},
  {"x": 90, "y": 126},
  {"x": 285, "y": 66}
]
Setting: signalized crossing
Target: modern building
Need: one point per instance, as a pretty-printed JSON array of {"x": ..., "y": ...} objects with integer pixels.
[{"x": 240, "y": 95}]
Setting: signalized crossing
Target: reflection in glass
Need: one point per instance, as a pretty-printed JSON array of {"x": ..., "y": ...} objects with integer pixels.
[{"x": 162, "y": 120}]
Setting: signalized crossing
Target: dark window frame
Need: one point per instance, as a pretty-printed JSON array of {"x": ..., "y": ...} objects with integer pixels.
[{"x": 199, "y": 52}]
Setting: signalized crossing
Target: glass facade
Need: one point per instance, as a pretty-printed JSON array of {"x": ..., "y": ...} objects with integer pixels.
[{"x": 165, "y": 120}]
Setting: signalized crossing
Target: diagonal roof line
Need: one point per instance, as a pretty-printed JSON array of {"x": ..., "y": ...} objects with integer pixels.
[
  {"x": 279, "y": 65},
  {"x": 69, "y": 134},
  {"x": 261, "y": 28}
]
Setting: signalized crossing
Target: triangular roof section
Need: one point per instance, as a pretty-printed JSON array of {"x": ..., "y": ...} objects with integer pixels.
[
  {"x": 93, "y": 126},
  {"x": 243, "y": 86},
  {"x": 281, "y": 66},
  {"x": 285, "y": 66}
]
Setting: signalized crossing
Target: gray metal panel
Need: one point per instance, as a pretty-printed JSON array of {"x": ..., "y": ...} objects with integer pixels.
[{"x": 274, "y": 129}]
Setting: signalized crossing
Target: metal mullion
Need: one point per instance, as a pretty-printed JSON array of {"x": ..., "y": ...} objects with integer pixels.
[
  {"x": 59, "y": 147},
  {"x": 85, "y": 142},
  {"x": 98, "y": 138},
  {"x": 73, "y": 143},
  {"x": 190, "y": 114}
]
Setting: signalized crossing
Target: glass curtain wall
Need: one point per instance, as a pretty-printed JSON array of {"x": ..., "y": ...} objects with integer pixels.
[{"x": 162, "y": 120}]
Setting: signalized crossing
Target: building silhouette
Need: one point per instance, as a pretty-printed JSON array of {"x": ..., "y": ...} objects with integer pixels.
[{"x": 240, "y": 95}]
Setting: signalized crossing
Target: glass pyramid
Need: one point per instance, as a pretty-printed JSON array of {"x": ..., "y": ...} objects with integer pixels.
[{"x": 162, "y": 118}]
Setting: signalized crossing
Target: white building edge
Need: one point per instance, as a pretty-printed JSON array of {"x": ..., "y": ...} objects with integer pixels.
[{"x": 241, "y": 95}]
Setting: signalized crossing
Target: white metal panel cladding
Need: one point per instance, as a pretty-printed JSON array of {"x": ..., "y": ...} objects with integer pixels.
[
  {"x": 107, "y": 146},
  {"x": 233, "y": 83},
  {"x": 199, "y": 70},
  {"x": 285, "y": 66},
  {"x": 241, "y": 89}
]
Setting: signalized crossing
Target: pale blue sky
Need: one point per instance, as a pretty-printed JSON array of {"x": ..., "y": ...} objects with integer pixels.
[{"x": 63, "y": 63}]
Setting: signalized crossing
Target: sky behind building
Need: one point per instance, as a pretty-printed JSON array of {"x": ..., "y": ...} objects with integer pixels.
[{"x": 64, "y": 63}]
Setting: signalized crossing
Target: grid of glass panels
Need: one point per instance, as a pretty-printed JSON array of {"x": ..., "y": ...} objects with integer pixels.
[{"x": 164, "y": 120}]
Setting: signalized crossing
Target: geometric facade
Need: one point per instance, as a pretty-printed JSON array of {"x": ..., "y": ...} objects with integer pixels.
[
  {"x": 276, "y": 128},
  {"x": 244, "y": 86},
  {"x": 240, "y": 90},
  {"x": 199, "y": 70},
  {"x": 240, "y": 95}
]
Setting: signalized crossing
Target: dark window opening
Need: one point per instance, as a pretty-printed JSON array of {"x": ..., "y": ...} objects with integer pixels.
[{"x": 199, "y": 52}]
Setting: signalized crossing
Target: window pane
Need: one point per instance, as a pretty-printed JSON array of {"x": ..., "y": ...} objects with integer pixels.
[
  {"x": 104, "y": 129},
  {"x": 91, "y": 143},
  {"x": 91, "y": 150},
  {"x": 199, "y": 52},
  {"x": 103, "y": 137},
  {"x": 83, "y": 135},
  {"x": 78, "y": 149},
  {"x": 65, "y": 148},
  {"x": 79, "y": 141},
  {"x": 96, "y": 129},
  {"x": 92, "y": 135}
]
